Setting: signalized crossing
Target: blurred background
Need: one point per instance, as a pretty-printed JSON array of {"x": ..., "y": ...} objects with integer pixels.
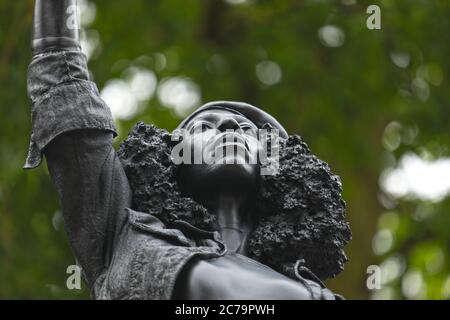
[{"x": 374, "y": 104}]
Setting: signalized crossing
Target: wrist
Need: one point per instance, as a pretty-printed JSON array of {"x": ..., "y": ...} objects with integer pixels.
[{"x": 55, "y": 26}]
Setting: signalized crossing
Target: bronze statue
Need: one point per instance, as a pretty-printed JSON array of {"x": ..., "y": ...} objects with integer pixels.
[{"x": 144, "y": 227}]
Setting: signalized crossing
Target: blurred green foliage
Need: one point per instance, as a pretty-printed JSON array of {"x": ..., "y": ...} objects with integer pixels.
[{"x": 338, "y": 87}]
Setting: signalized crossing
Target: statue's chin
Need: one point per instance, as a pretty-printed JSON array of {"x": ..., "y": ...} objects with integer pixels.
[
  {"x": 203, "y": 180},
  {"x": 232, "y": 175}
]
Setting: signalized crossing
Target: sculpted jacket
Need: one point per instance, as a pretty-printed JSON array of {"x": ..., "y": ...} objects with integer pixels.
[{"x": 124, "y": 254}]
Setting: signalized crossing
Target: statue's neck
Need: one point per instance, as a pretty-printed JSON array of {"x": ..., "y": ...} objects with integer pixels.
[{"x": 234, "y": 220}]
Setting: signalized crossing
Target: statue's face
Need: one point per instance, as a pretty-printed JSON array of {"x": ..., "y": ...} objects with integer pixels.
[{"x": 228, "y": 145}]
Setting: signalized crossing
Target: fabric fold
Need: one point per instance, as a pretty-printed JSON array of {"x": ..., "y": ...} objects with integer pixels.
[{"x": 63, "y": 99}]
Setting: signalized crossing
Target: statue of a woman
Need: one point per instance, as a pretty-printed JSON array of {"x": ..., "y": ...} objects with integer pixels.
[{"x": 142, "y": 227}]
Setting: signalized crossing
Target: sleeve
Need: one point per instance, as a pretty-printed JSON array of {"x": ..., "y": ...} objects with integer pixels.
[
  {"x": 63, "y": 99},
  {"x": 93, "y": 191},
  {"x": 74, "y": 129}
]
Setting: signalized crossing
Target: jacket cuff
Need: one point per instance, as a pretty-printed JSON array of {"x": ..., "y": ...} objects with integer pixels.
[{"x": 63, "y": 99}]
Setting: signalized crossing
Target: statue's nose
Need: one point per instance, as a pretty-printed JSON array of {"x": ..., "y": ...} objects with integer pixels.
[{"x": 228, "y": 123}]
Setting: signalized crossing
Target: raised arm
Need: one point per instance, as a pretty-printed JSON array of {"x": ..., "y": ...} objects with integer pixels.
[
  {"x": 55, "y": 26},
  {"x": 74, "y": 129}
]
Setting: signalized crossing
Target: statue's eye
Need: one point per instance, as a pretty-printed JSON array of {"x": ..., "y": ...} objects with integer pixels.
[
  {"x": 205, "y": 126},
  {"x": 200, "y": 127},
  {"x": 245, "y": 126}
]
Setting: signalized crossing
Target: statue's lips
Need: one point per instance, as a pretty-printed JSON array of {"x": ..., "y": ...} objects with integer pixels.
[{"x": 228, "y": 140}]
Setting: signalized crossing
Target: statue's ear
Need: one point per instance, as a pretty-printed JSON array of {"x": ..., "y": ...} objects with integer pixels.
[{"x": 175, "y": 137}]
